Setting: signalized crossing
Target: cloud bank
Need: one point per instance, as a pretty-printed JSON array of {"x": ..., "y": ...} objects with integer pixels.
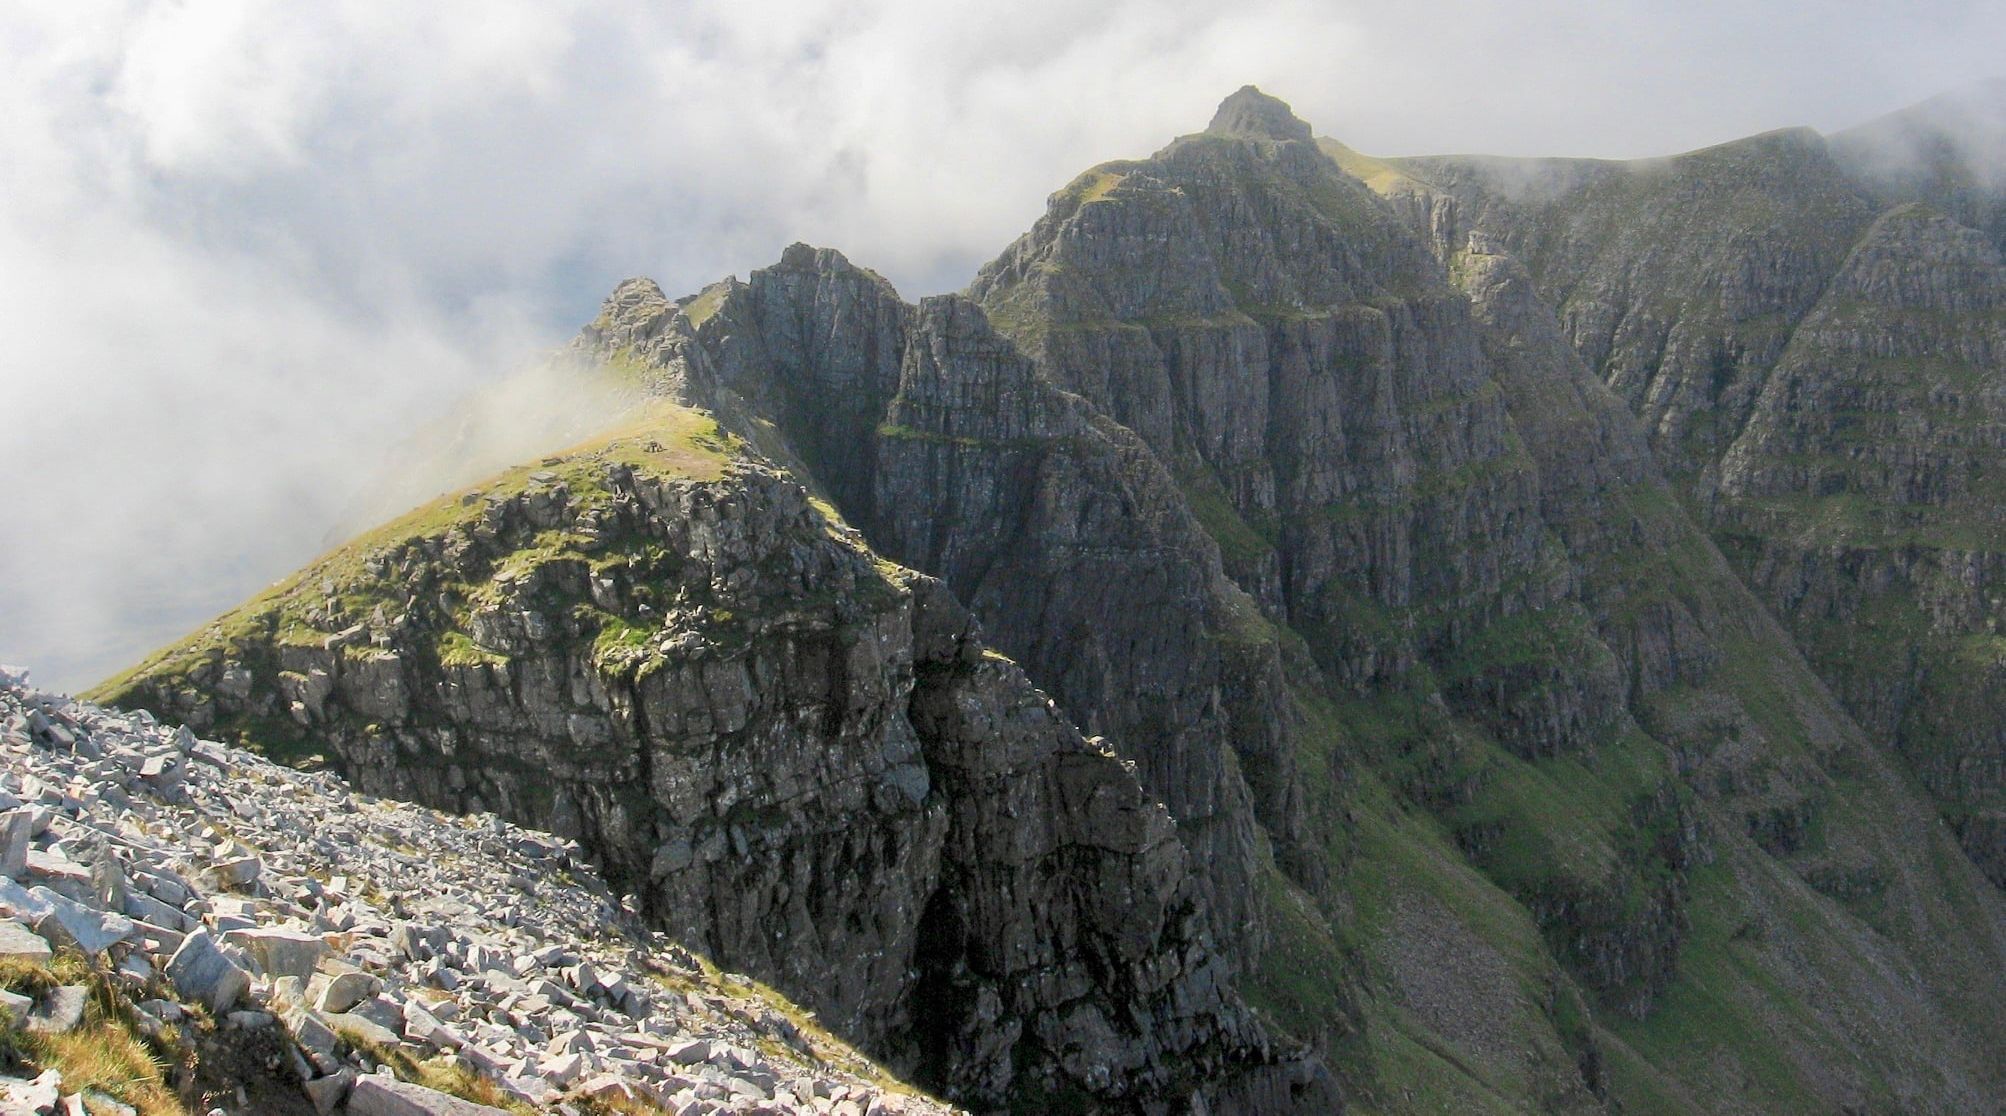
[{"x": 245, "y": 248}]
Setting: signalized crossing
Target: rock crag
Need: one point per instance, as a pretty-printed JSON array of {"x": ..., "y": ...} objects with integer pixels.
[
  {"x": 1807, "y": 328},
  {"x": 801, "y": 759},
  {"x": 1506, "y": 607},
  {"x": 226, "y": 905}
]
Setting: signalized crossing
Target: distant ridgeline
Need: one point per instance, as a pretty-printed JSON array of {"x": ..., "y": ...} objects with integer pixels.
[{"x": 1301, "y": 630}]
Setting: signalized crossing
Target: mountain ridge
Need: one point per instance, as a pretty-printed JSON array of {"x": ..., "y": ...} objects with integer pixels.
[
  {"x": 1320, "y": 497},
  {"x": 1787, "y": 331}
]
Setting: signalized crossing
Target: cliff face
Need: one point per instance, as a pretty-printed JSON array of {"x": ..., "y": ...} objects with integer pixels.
[
  {"x": 1815, "y": 353},
  {"x": 798, "y": 757},
  {"x": 1678, "y": 280},
  {"x": 1312, "y": 379},
  {"x": 1318, "y": 497},
  {"x": 1056, "y": 527},
  {"x": 1409, "y": 466},
  {"x": 1863, "y": 496}
]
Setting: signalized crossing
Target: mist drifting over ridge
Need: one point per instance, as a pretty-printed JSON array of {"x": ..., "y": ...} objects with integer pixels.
[{"x": 248, "y": 251}]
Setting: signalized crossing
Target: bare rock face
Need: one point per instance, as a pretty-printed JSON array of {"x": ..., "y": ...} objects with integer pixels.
[
  {"x": 1676, "y": 279},
  {"x": 1809, "y": 347},
  {"x": 1252, "y": 113},
  {"x": 1308, "y": 375},
  {"x": 1314, "y": 380},
  {"x": 1372, "y": 405},
  {"x": 1058, "y": 528},
  {"x": 1863, "y": 496},
  {"x": 1313, "y": 488},
  {"x": 801, "y": 759}
]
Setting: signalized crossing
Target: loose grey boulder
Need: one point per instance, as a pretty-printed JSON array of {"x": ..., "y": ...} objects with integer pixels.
[
  {"x": 15, "y": 829},
  {"x": 363, "y": 1028},
  {"x": 200, "y": 971},
  {"x": 328, "y": 1092},
  {"x": 382, "y": 1011},
  {"x": 166, "y": 775},
  {"x": 238, "y": 872},
  {"x": 61, "y": 1010},
  {"x": 92, "y": 931},
  {"x": 344, "y": 990},
  {"x": 97, "y": 1102},
  {"x": 280, "y": 953},
  {"x": 20, "y": 902},
  {"x": 385, "y": 1096},
  {"x": 31, "y": 1098},
  {"x": 419, "y": 943},
  {"x": 108, "y": 883},
  {"x": 310, "y": 1031},
  {"x": 18, "y": 943}
]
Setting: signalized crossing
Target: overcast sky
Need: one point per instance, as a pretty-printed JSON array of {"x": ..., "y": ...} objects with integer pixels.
[{"x": 247, "y": 247}]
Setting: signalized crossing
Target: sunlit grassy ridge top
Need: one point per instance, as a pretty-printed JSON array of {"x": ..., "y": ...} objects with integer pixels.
[
  {"x": 1375, "y": 173},
  {"x": 658, "y": 439}
]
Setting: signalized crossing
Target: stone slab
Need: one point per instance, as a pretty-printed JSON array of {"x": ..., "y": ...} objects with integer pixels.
[
  {"x": 19, "y": 943},
  {"x": 376, "y": 1095}
]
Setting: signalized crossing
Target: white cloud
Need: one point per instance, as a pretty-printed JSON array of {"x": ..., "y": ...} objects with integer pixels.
[{"x": 245, "y": 246}]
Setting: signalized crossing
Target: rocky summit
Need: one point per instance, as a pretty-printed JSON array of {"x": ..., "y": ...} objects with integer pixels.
[{"x": 1301, "y": 632}]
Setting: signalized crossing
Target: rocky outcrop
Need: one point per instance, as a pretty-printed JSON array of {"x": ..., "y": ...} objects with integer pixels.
[
  {"x": 1863, "y": 497},
  {"x": 1409, "y": 465},
  {"x": 1057, "y": 528},
  {"x": 1306, "y": 495},
  {"x": 1812, "y": 360},
  {"x": 349, "y": 939},
  {"x": 802, "y": 760}
]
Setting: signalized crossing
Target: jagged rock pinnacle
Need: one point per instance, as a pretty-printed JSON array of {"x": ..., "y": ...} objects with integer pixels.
[{"x": 1253, "y": 113}]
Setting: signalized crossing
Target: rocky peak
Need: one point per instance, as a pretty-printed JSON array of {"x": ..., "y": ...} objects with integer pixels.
[
  {"x": 938, "y": 440},
  {"x": 1253, "y": 114},
  {"x": 1309, "y": 502},
  {"x": 1965, "y": 125},
  {"x": 801, "y": 759},
  {"x": 1949, "y": 151},
  {"x": 636, "y": 299},
  {"x": 800, "y": 256}
]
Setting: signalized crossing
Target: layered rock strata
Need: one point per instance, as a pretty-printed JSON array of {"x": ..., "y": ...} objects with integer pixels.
[
  {"x": 1300, "y": 490},
  {"x": 801, "y": 759},
  {"x": 352, "y": 938},
  {"x": 1811, "y": 349}
]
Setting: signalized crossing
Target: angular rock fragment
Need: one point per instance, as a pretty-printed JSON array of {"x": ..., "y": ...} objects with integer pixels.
[
  {"x": 91, "y": 931},
  {"x": 34, "y": 1097},
  {"x": 14, "y": 836},
  {"x": 375, "y": 1095},
  {"x": 328, "y": 1093},
  {"x": 201, "y": 972},
  {"x": 349, "y": 1024},
  {"x": 60, "y": 1011},
  {"x": 344, "y": 990},
  {"x": 280, "y": 953},
  {"x": 18, "y": 943}
]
